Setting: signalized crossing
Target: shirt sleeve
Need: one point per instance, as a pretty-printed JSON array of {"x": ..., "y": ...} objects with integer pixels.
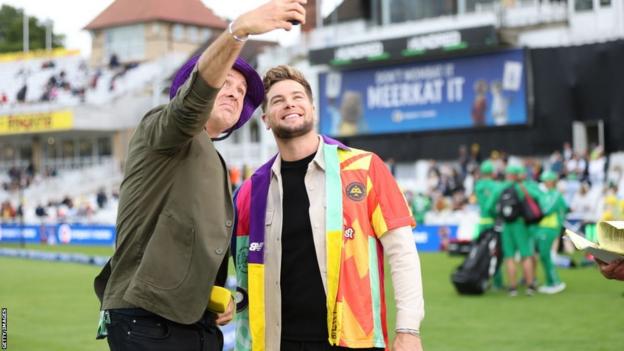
[
  {"x": 171, "y": 125},
  {"x": 400, "y": 248},
  {"x": 387, "y": 205}
]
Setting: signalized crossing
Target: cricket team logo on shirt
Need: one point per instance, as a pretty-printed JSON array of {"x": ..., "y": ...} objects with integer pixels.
[
  {"x": 356, "y": 191},
  {"x": 349, "y": 233}
]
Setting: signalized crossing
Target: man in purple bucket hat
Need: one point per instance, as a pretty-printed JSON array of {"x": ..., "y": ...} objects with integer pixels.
[
  {"x": 235, "y": 103},
  {"x": 176, "y": 215}
]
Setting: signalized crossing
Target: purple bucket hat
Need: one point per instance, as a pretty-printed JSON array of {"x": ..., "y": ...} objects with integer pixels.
[{"x": 253, "y": 97}]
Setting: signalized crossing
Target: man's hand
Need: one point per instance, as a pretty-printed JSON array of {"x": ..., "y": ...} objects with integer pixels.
[
  {"x": 275, "y": 14},
  {"x": 613, "y": 270},
  {"x": 406, "y": 342},
  {"x": 225, "y": 317}
]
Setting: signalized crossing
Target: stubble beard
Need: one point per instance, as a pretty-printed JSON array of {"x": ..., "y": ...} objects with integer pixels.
[{"x": 293, "y": 132}]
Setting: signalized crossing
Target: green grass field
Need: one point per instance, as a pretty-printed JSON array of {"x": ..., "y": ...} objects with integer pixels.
[{"x": 51, "y": 306}]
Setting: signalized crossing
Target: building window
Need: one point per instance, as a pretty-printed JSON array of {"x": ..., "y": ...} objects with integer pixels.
[
  {"x": 8, "y": 152},
  {"x": 473, "y": 5},
  {"x": 410, "y": 10},
  {"x": 583, "y": 5},
  {"x": 156, "y": 29},
  {"x": 86, "y": 148},
  {"x": 193, "y": 34},
  {"x": 178, "y": 32},
  {"x": 104, "y": 147},
  {"x": 205, "y": 34},
  {"x": 254, "y": 131},
  {"x": 68, "y": 149},
  {"x": 605, "y": 3},
  {"x": 51, "y": 149},
  {"x": 127, "y": 42},
  {"x": 236, "y": 139},
  {"x": 25, "y": 152}
]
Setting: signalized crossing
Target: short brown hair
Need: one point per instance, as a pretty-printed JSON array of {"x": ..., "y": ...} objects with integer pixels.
[{"x": 280, "y": 73}]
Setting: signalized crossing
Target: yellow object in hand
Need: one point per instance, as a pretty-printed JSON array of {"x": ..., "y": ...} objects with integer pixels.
[{"x": 219, "y": 299}]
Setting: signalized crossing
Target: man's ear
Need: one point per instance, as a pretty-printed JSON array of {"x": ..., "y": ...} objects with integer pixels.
[{"x": 265, "y": 120}]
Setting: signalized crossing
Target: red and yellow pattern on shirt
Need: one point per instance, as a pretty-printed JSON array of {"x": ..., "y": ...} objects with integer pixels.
[{"x": 372, "y": 205}]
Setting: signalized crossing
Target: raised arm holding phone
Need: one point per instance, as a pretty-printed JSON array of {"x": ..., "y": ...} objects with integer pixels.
[{"x": 175, "y": 212}]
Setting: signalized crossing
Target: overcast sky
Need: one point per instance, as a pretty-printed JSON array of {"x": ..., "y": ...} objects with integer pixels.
[{"x": 70, "y": 16}]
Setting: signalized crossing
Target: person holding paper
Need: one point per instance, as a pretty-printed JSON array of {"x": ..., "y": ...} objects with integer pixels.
[
  {"x": 613, "y": 270},
  {"x": 611, "y": 238},
  {"x": 608, "y": 251}
]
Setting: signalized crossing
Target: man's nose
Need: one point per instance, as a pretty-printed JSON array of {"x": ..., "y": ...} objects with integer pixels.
[
  {"x": 233, "y": 93},
  {"x": 290, "y": 103}
]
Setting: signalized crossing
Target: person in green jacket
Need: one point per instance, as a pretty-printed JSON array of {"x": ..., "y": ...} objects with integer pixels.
[
  {"x": 549, "y": 228},
  {"x": 484, "y": 190},
  {"x": 176, "y": 213},
  {"x": 515, "y": 238},
  {"x": 533, "y": 189},
  {"x": 420, "y": 204}
]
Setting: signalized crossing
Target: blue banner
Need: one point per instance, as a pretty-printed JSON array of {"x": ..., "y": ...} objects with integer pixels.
[
  {"x": 58, "y": 234},
  {"x": 15, "y": 233},
  {"x": 86, "y": 234},
  {"x": 475, "y": 91},
  {"x": 429, "y": 238}
]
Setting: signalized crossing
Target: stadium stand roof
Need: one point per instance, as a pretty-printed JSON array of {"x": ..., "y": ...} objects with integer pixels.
[{"x": 122, "y": 12}]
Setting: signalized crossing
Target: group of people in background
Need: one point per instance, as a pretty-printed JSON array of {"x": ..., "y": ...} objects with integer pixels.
[
  {"x": 565, "y": 186},
  {"x": 524, "y": 234},
  {"x": 67, "y": 83},
  {"x": 450, "y": 185}
]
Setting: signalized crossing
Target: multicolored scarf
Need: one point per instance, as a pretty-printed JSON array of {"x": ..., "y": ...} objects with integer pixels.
[{"x": 356, "y": 215}]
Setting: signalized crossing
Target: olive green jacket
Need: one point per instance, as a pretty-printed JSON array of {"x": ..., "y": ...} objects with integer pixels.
[{"x": 175, "y": 212}]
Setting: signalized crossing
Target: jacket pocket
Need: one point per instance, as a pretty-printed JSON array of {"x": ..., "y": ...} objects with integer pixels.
[
  {"x": 268, "y": 219},
  {"x": 168, "y": 254}
]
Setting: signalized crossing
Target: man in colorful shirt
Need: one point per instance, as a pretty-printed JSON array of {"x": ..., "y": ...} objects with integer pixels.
[
  {"x": 313, "y": 226},
  {"x": 548, "y": 229}
]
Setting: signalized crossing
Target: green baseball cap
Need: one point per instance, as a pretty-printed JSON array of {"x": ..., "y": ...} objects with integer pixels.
[
  {"x": 522, "y": 170},
  {"x": 513, "y": 169},
  {"x": 548, "y": 176},
  {"x": 487, "y": 167}
]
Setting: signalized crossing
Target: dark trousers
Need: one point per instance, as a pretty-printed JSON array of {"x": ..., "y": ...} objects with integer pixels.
[
  {"x": 287, "y": 345},
  {"x": 140, "y": 330}
]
